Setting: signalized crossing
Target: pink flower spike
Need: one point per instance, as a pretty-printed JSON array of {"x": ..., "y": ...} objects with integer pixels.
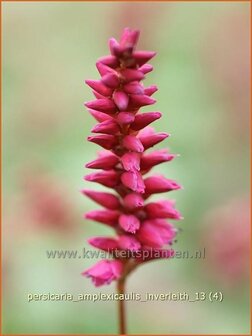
[
  {"x": 162, "y": 209},
  {"x": 121, "y": 100},
  {"x": 133, "y": 201},
  {"x": 131, "y": 161},
  {"x": 144, "y": 119},
  {"x": 129, "y": 243},
  {"x": 133, "y": 144},
  {"x": 111, "y": 80},
  {"x": 106, "y": 127},
  {"x": 105, "y": 162},
  {"x": 133, "y": 181},
  {"x": 108, "y": 178},
  {"x": 99, "y": 116},
  {"x": 125, "y": 118},
  {"x": 99, "y": 87},
  {"x": 108, "y": 217},
  {"x": 146, "y": 68},
  {"x": 104, "y": 243},
  {"x": 138, "y": 101},
  {"x": 103, "y": 105},
  {"x": 124, "y": 132},
  {"x": 160, "y": 184},
  {"x": 105, "y": 199},
  {"x": 143, "y": 57},
  {"x": 129, "y": 223},
  {"x": 104, "y": 272},
  {"x": 150, "y": 90},
  {"x": 104, "y": 140},
  {"x": 152, "y": 139}
]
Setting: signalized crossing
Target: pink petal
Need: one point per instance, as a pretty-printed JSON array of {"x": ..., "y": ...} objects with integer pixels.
[
  {"x": 129, "y": 243},
  {"x": 151, "y": 159},
  {"x": 103, "y": 243},
  {"x": 143, "y": 57},
  {"x": 108, "y": 178},
  {"x": 99, "y": 116},
  {"x": 103, "y": 105},
  {"x": 109, "y": 217},
  {"x": 125, "y": 118},
  {"x": 144, "y": 119},
  {"x": 133, "y": 201},
  {"x": 134, "y": 88},
  {"x": 114, "y": 47},
  {"x": 146, "y": 68},
  {"x": 159, "y": 184},
  {"x": 150, "y": 90},
  {"x": 149, "y": 235},
  {"x": 121, "y": 100},
  {"x": 130, "y": 75},
  {"x": 104, "y": 140},
  {"x": 98, "y": 95},
  {"x": 152, "y": 139},
  {"x": 105, "y": 199},
  {"x": 99, "y": 87},
  {"x": 167, "y": 230},
  {"x": 129, "y": 39},
  {"x": 109, "y": 60},
  {"x": 138, "y": 101},
  {"x": 133, "y": 181},
  {"x": 132, "y": 143},
  {"x": 107, "y": 127},
  {"x": 106, "y": 162},
  {"x": 131, "y": 161},
  {"x": 104, "y": 69},
  {"x": 117, "y": 268},
  {"x": 162, "y": 209},
  {"x": 148, "y": 130},
  {"x": 104, "y": 272},
  {"x": 111, "y": 80},
  {"x": 129, "y": 223}
]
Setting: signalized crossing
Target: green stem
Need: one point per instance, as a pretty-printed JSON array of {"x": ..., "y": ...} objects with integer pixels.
[{"x": 121, "y": 307}]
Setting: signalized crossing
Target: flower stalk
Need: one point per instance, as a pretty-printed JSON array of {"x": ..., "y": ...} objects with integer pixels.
[{"x": 121, "y": 307}]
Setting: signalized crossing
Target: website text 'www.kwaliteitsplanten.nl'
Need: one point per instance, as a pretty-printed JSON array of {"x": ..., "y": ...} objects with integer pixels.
[{"x": 141, "y": 254}]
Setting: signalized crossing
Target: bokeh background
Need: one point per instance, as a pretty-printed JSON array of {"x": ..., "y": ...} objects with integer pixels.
[{"x": 202, "y": 71}]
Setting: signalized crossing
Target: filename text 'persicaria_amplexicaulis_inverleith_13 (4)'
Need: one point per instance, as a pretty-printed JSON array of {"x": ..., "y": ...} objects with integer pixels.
[{"x": 142, "y": 228}]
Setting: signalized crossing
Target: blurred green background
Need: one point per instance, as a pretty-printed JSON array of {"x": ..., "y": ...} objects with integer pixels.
[{"x": 202, "y": 71}]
